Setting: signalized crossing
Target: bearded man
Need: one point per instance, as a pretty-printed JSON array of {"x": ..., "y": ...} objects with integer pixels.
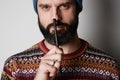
[{"x": 73, "y": 59}]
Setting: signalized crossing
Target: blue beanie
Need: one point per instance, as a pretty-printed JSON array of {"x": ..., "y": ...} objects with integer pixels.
[{"x": 79, "y": 2}]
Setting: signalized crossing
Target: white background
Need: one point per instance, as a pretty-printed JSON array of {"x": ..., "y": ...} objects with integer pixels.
[{"x": 99, "y": 25}]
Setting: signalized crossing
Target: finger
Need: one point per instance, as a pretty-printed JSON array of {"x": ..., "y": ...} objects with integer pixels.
[
  {"x": 58, "y": 50},
  {"x": 57, "y": 64},
  {"x": 52, "y": 63},
  {"x": 51, "y": 70},
  {"x": 55, "y": 50},
  {"x": 49, "y": 61},
  {"x": 46, "y": 70},
  {"x": 55, "y": 57}
]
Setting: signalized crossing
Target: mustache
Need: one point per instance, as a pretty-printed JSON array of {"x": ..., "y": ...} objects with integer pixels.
[{"x": 58, "y": 23}]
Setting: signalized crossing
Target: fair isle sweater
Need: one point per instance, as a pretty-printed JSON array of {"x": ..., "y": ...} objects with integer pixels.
[{"x": 87, "y": 63}]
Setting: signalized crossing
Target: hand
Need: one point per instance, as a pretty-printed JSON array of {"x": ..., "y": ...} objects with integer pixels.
[{"x": 49, "y": 65}]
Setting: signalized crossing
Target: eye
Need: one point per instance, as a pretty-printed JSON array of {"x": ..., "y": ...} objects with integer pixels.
[
  {"x": 45, "y": 7},
  {"x": 65, "y": 6}
]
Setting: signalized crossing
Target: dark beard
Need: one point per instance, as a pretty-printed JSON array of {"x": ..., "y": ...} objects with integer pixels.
[{"x": 63, "y": 37}]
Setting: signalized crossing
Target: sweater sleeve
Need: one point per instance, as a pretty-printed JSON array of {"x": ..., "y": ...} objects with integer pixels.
[
  {"x": 5, "y": 76},
  {"x": 8, "y": 68}
]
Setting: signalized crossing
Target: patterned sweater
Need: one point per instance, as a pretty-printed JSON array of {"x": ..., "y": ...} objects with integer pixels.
[{"x": 87, "y": 63}]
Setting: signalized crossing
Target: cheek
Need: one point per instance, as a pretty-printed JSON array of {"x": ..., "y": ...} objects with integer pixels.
[
  {"x": 69, "y": 16},
  {"x": 44, "y": 19}
]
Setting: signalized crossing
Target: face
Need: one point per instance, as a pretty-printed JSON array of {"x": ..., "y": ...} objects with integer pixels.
[{"x": 64, "y": 11}]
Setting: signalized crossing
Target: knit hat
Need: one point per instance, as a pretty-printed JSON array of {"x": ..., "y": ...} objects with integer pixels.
[{"x": 79, "y": 2}]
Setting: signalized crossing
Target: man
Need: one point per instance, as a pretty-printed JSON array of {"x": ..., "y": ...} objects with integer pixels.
[{"x": 73, "y": 59}]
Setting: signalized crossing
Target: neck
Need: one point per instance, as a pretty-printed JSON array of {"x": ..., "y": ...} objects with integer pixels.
[{"x": 69, "y": 47}]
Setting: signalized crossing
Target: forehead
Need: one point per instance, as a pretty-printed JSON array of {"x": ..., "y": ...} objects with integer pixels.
[{"x": 54, "y": 1}]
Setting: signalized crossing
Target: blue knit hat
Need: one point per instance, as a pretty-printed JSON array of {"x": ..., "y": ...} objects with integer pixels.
[{"x": 79, "y": 2}]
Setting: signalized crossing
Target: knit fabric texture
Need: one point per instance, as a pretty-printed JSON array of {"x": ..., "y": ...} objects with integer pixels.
[{"x": 87, "y": 63}]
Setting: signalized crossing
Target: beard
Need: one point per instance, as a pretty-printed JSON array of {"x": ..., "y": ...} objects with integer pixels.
[{"x": 63, "y": 36}]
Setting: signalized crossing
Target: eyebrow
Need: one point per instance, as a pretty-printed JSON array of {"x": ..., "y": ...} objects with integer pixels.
[
  {"x": 41, "y": 5},
  {"x": 66, "y": 3},
  {"x": 61, "y": 4}
]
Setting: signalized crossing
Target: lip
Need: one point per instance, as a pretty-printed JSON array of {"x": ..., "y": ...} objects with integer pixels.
[{"x": 59, "y": 28}]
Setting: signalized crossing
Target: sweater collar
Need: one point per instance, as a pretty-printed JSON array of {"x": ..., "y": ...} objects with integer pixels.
[{"x": 77, "y": 53}]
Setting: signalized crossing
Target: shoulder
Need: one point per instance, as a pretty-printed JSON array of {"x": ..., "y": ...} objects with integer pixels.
[
  {"x": 102, "y": 60},
  {"x": 99, "y": 53},
  {"x": 32, "y": 51},
  {"x": 28, "y": 54},
  {"x": 22, "y": 59}
]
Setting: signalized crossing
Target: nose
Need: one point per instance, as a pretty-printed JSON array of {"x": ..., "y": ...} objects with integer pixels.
[{"x": 56, "y": 14}]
